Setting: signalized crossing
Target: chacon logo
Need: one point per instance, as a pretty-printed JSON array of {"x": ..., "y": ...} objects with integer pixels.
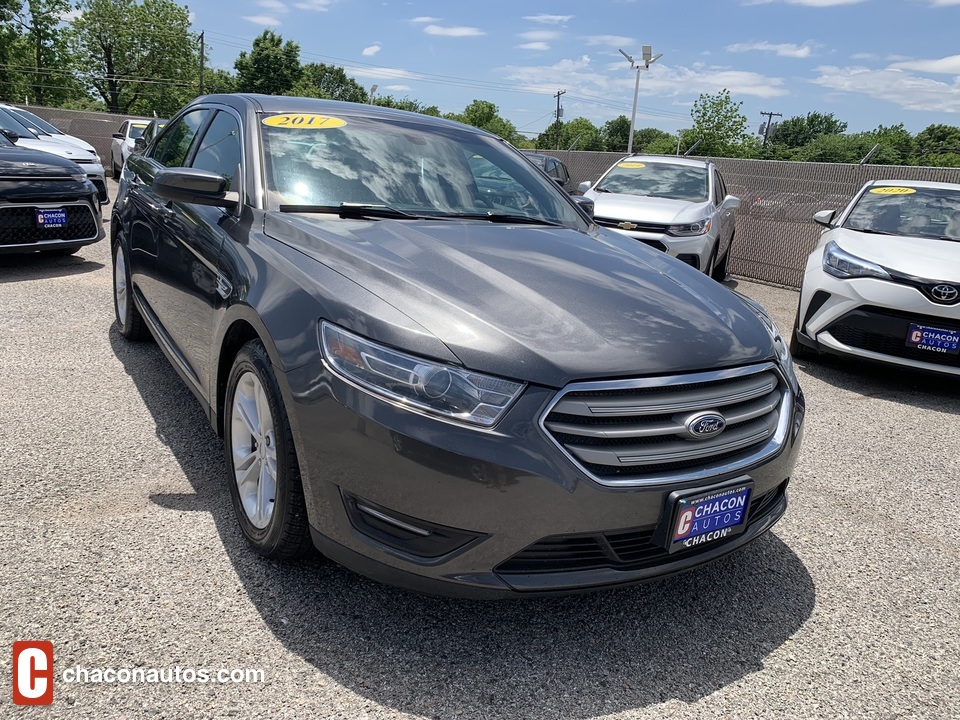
[
  {"x": 32, "y": 672},
  {"x": 705, "y": 425},
  {"x": 944, "y": 293}
]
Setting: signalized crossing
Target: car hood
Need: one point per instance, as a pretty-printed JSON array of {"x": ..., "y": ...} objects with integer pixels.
[
  {"x": 645, "y": 209},
  {"x": 926, "y": 258},
  {"x": 542, "y": 304},
  {"x": 26, "y": 163},
  {"x": 63, "y": 149},
  {"x": 76, "y": 142}
]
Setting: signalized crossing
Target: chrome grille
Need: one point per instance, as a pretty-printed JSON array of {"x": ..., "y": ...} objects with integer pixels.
[
  {"x": 633, "y": 432},
  {"x": 637, "y": 226}
]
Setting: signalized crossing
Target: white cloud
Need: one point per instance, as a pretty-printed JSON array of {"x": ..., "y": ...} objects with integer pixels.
[
  {"x": 398, "y": 88},
  {"x": 426, "y": 19},
  {"x": 609, "y": 40},
  {"x": 534, "y": 46},
  {"x": 316, "y": 5},
  {"x": 782, "y": 49},
  {"x": 539, "y": 35},
  {"x": 371, "y": 51},
  {"x": 453, "y": 31},
  {"x": 893, "y": 85},
  {"x": 264, "y": 20},
  {"x": 379, "y": 73},
  {"x": 947, "y": 65},
  {"x": 274, "y": 5},
  {"x": 71, "y": 15},
  {"x": 944, "y": 3},
  {"x": 553, "y": 19}
]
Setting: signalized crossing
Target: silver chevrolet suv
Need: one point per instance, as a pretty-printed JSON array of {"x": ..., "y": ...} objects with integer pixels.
[{"x": 677, "y": 205}]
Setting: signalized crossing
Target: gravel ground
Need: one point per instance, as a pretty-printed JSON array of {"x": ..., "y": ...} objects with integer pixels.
[{"x": 121, "y": 548}]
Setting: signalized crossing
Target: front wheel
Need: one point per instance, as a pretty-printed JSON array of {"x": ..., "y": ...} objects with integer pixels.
[
  {"x": 798, "y": 349},
  {"x": 720, "y": 268},
  {"x": 261, "y": 459},
  {"x": 129, "y": 321}
]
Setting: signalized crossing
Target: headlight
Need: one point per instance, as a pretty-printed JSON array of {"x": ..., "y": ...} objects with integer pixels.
[
  {"x": 700, "y": 227},
  {"x": 780, "y": 345},
  {"x": 421, "y": 384},
  {"x": 79, "y": 177},
  {"x": 842, "y": 264}
]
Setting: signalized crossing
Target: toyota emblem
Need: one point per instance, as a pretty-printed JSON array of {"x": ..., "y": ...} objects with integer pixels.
[{"x": 944, "y": 293}]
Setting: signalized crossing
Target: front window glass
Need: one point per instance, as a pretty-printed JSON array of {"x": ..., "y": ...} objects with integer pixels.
[
  {"x": 172, "y": 150},
  {"x": 903, "y": 210},
  {"x": 136, "y": 130},
  {"x": 656, "y": 179},
  {"x": 408, "y": 166},
  {"x": 219, "y": 150}
]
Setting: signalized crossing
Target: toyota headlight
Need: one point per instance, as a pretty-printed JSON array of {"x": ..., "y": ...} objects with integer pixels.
[
  {"x": 841, "y": 264},
  {"x": 700, "y": 227},
  {"x": 425, "y": 385}
]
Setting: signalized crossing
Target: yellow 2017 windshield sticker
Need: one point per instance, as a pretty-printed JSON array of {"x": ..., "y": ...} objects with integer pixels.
[
  {"x": 631, "y": 165},
  {"x": 892, "y": 190},
  {"x": 304, "y": 120}
]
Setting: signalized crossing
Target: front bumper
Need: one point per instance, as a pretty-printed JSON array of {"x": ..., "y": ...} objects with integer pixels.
[
  {"x": 19, "y": 231},
  {"x": 870, "y": 319},
  {"x": 488, "y": 499},
  {"x": 694, "y": 251}
]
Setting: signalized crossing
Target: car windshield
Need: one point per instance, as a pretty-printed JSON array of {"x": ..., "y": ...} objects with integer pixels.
[
  {"x": 136, "y": 130},
  {"x": 656, "y": 179},
  {"x": 9, "y": 121},
  {"x": 409, "y": 166},
  {"x": 905, "y": 210},
  {"x": 36, "y": 121}
]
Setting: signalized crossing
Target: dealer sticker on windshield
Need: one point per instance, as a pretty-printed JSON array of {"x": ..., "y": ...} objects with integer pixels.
[
  {"x": 304, "y": 120},
  {"x": 891, "y": 190},
  {"x": 631, "y": 165},
  {"x": 708, "y": 517},
  {"x": 931, "y": 339},
  {"x": 52, "y": 218}
]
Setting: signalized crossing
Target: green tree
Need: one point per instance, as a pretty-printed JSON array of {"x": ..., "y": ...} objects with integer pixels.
[
  {"x": 328, "y": 81},
  {"x": 272, "y": 67},
  {"x": 44, "y": 57},
  {"x": 651, "y": 140},
  {"x": 801, "y": 130},
  {"x": 717, "y": 120},
  {"x": 139, "y": 57},
  {"x": 615, "y": 134},
  {"x": 406, "y": 104},
  {"x": 486, "y": 116},
  {"x": 216, "y": 80},
  {"x": 938, "y": 146},
  {"x": 577, "y": 134},
  {"x": 9, "y": 36}
]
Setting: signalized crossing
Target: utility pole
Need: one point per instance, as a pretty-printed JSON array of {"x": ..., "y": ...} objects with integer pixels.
[
  {"x": 201, "y": 62},
  {"x": 648, "y": 57},
  {"x": 559, "y": 114},
  {"x": 766, "y": 128}
]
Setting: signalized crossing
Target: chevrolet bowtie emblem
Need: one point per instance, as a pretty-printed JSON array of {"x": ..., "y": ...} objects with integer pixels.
[{"x": 627, "y": 225}]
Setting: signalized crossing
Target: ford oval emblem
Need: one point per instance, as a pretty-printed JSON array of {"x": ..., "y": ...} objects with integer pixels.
[{"x": 705, "y": 425}]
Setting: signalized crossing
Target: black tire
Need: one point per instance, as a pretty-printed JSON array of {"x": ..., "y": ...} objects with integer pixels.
[
  {"x": 285, "y": 535},
  {"x": 129, "y": 321},
  {"x": 720, "y": 268},
  {"x": 116, "y": 170},
  {"x": 798, "y": 349}
]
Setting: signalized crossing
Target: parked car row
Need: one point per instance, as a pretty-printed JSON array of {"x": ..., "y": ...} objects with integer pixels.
[{"x": 132, "y": 135}]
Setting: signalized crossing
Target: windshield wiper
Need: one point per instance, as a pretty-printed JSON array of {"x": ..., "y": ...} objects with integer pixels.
[
  {"x": 505, "y": 218},
  {"x": 353, "y": 210},
  {"x": 871, "y": 231}
]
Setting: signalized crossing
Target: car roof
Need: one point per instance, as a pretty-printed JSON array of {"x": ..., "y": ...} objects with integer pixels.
[{"x": 245, "y": 102}]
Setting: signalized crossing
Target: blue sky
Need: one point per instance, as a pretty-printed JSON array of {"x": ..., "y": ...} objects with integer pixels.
[{"x": 869, "y": 62}]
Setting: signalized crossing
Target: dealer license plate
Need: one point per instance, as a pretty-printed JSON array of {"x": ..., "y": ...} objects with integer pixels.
[
  {"x": 931, "y": 339},
  {"x": 52, "y": 218},
  {"x": 705, "y": 518}
]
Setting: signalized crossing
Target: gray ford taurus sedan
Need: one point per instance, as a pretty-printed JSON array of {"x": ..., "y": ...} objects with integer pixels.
[{"x": 428, "y": 362}]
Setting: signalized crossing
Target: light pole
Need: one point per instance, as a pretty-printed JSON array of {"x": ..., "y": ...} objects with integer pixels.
[
  {"x": 373, "y": 91},
  {"x": 648, "y": 59}
]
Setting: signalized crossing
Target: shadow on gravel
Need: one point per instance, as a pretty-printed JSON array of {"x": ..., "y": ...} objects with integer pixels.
[
  {"x": 39, "y": 266},
  {"x": 680, "y": 638},
  {"x": 927, "y": 391}
]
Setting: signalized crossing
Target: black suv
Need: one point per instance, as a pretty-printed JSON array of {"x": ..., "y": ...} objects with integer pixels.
[{"x": 47, "y": 203}]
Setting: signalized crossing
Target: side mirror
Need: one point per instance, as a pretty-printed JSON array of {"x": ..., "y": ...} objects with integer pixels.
[
  {"x": 119, "y": 136},
  {"x": 584, "y": 186},
  {"x": 732, "y": 202},
  {"x": 139, "y": 144},
  {"x": 10, "y": 135},
  {"x": 189, "y": 185},
  {"x": 558, "y": 181},
  {"x": 825, "y": 218},
  {"x": 585, "y": 203}
]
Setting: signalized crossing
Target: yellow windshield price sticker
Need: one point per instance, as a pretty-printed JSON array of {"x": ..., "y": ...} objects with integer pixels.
[
  {"x": 892, "y": 191},
  {"x": 631, "y": 165},
  {"x": 302, "y": 120}
]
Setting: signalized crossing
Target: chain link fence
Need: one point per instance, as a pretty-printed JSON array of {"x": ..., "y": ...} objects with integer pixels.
[{"x": 774, "y": 234}]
